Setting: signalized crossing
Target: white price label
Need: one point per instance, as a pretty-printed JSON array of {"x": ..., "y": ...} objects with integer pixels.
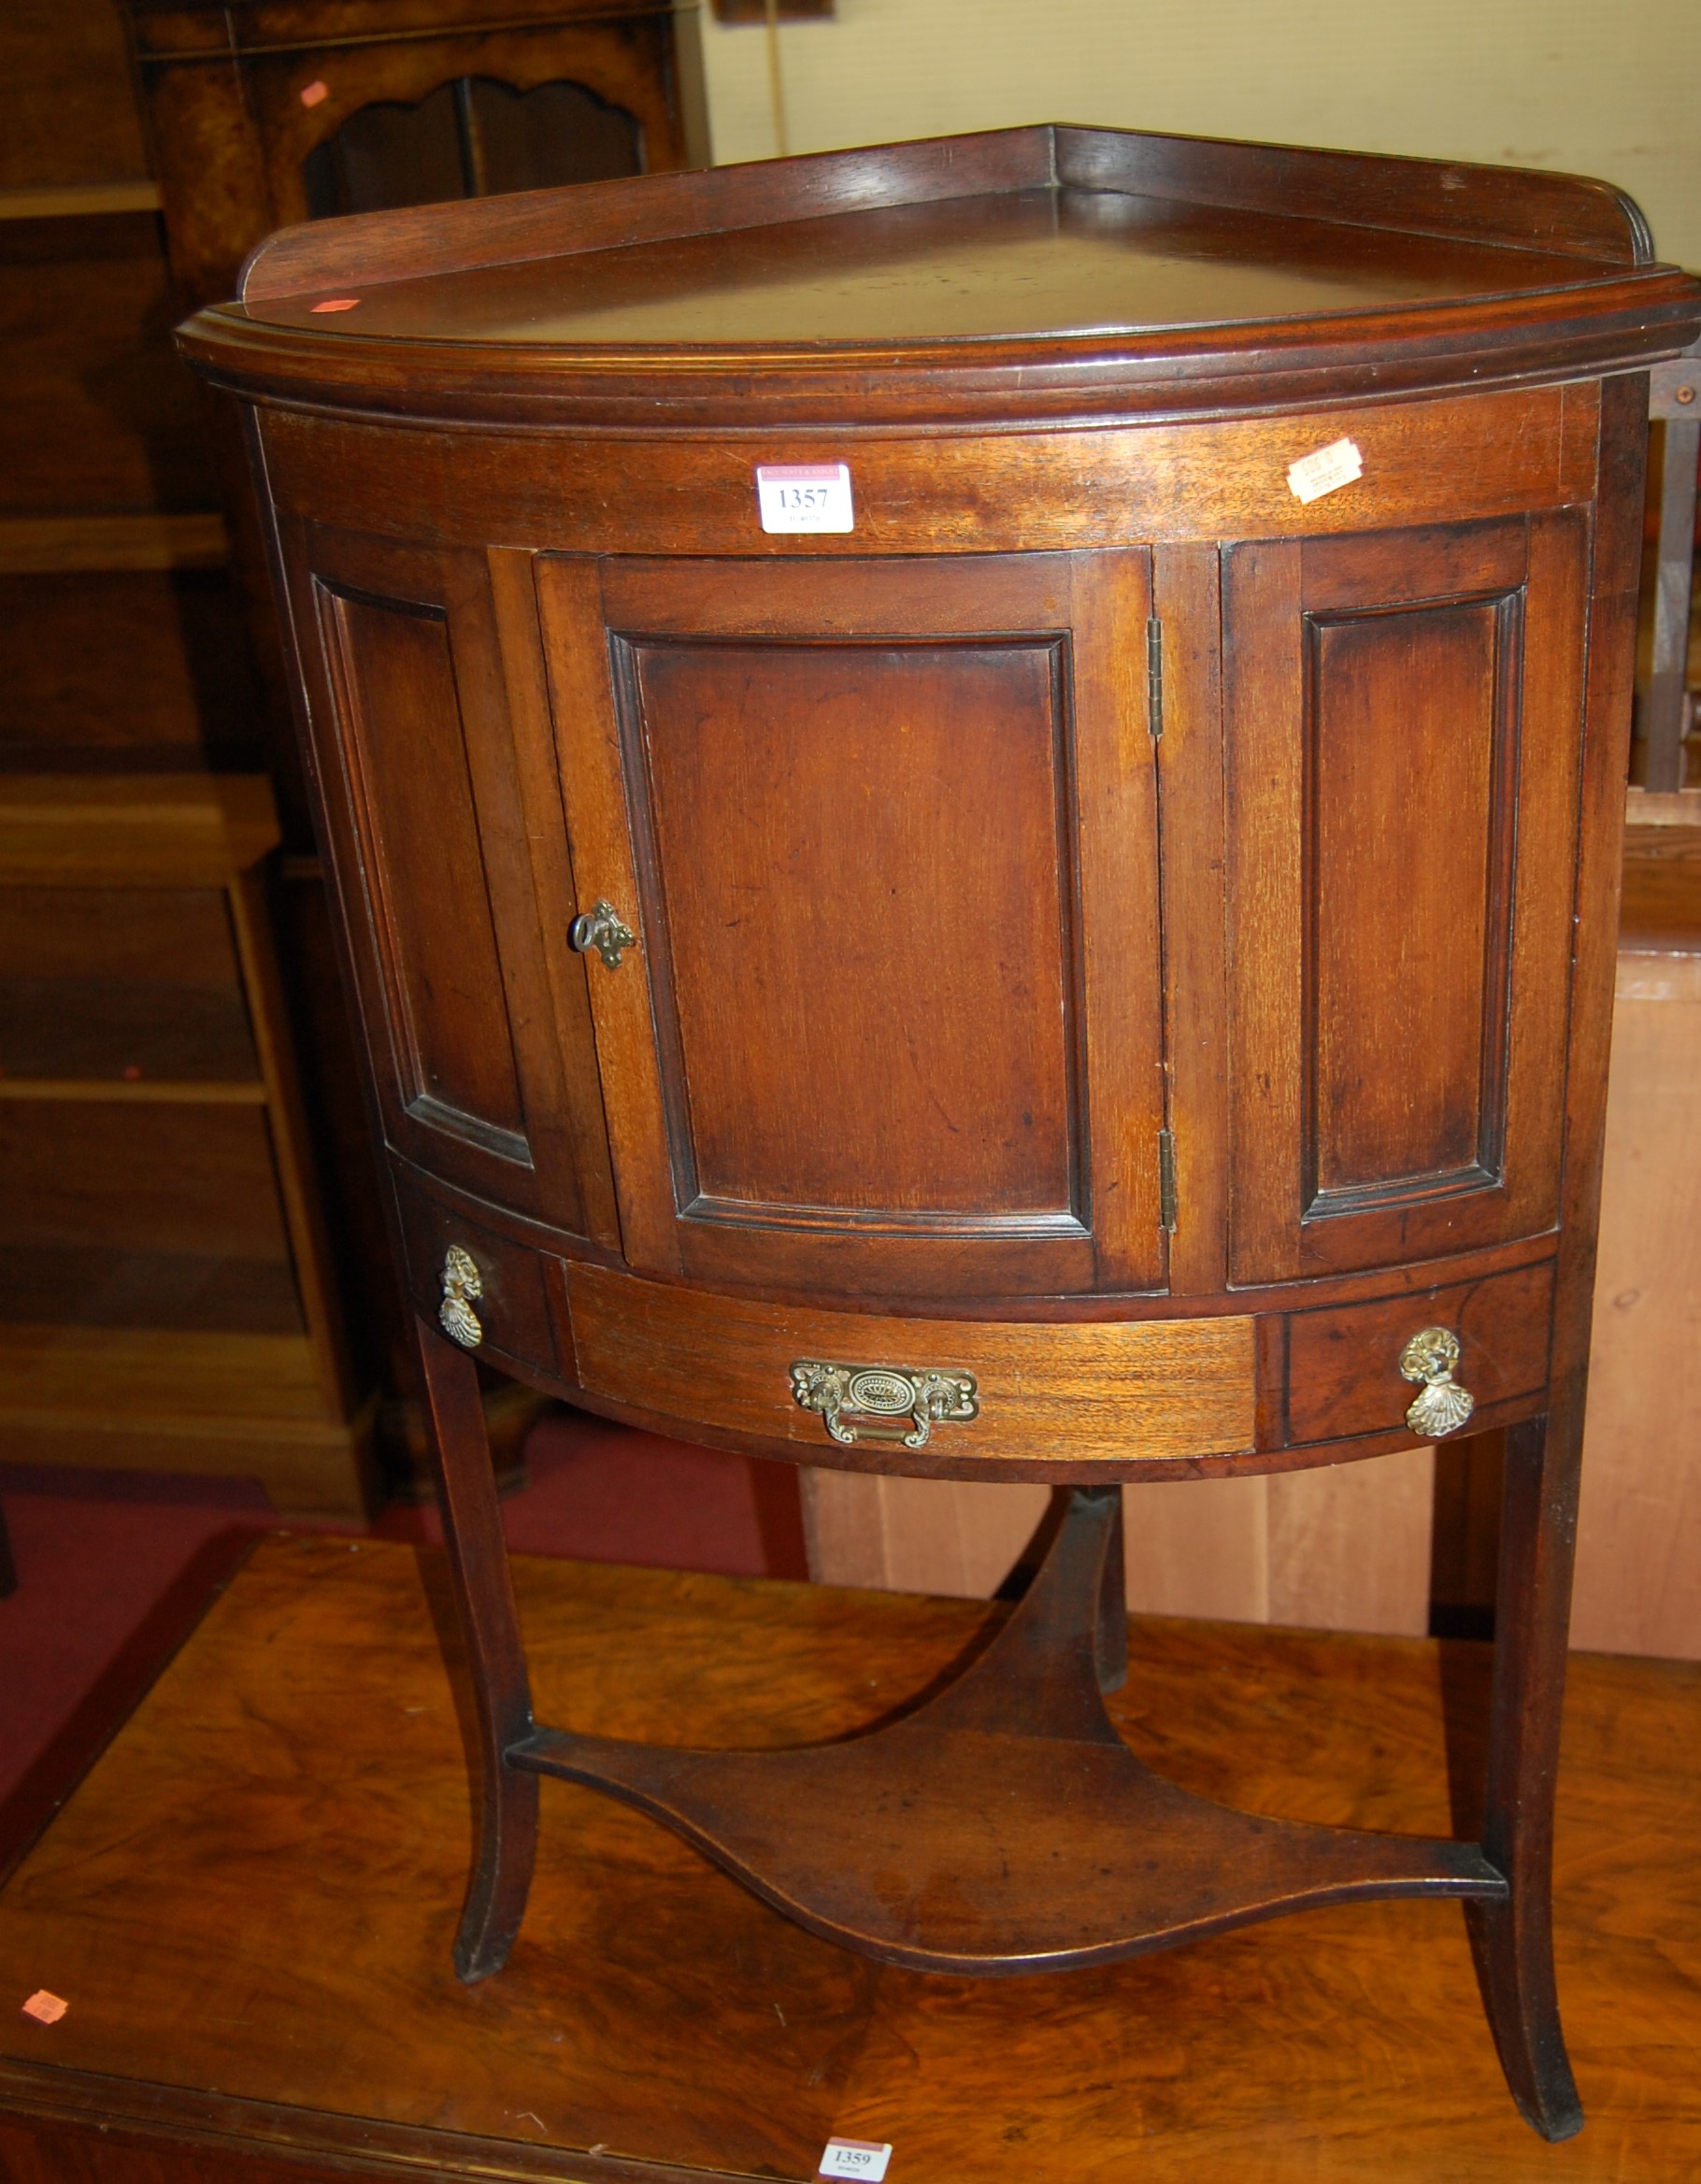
[
  {"x": 805, "y": 496},
  {"x": 1324, "y": 470},
  {"x": 854, "y": 2157}
]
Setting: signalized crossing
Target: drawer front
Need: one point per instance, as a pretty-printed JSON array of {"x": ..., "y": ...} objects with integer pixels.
[
  {"x": 1343, "y": 1369},
  {"x": 1121, "y": 1393},
  {"x": 509, "y": 1311}
]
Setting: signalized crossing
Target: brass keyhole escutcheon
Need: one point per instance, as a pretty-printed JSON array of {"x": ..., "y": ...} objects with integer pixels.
[
  {"x": 605, "y": 930},
  {"x": 461, "y": 1283},
  {"x": 1441, "y": 1407}
]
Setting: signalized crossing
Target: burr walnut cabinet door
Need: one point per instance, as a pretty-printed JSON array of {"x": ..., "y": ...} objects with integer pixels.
[
  {"x": 415, "y": 661},
  {"x": 1404, "y": 713},
  {"x": 884, "y": 833}
]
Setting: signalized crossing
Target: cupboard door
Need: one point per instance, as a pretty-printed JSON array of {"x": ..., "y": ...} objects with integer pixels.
[
  {"x": 412, "y": 671},
  {"x": 885, "y": 833},
  {"x": 1404, "y": 713}
]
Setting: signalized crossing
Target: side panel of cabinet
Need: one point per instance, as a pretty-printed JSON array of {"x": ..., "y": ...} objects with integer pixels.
[
  {"x": 1403, "y": 715},
  {"x": 886, "y": 833},
  {"x": 415, "y": 661}
]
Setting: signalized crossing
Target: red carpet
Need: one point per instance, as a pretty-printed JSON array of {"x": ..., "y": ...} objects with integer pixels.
[{"x": 114, "y": 1568}]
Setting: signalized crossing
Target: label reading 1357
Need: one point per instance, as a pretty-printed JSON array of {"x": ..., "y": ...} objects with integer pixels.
[
  {"x": 805, "y": 496},
  {"x": 854, "y": 2157}
]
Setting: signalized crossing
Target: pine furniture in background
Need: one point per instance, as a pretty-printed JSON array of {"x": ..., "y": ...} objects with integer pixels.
[
  {"x": 166, "y": 1290},
  {"x": 259, "y": 114}
]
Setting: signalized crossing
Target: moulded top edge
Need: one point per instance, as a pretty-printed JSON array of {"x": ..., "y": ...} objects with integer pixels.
[
  {"x": 1608, "y": 325},
  {"x": 1490, "y": 208}
]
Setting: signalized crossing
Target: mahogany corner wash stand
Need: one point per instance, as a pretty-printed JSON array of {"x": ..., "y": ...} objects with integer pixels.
[{"x": 1072, "y": 941}]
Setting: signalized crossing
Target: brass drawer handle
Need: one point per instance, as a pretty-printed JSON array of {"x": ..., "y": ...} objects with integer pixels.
[
  {"x": 461, "y": 1283},
  {"x": 605, "y": 930},
  {"x": 1441, "y": 1406},
  {"x": 872, "y": 1403}
]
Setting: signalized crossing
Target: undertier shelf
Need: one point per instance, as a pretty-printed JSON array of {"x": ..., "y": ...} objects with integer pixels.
[{"x": 1004, "y": 1826}]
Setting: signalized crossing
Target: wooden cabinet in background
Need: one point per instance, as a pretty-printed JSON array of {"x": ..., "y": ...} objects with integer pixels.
[
  {"x": 119, "y": 645},
  {"x": 264, "y": 112},
  {"x": 165, "y": 1289},
  {"x": 164, "y": 1298}
]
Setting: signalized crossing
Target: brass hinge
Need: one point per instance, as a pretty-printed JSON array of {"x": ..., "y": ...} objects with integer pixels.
[
  {"x": 1154, "y": 677},
  {"x": 1167, "y": 1181}
]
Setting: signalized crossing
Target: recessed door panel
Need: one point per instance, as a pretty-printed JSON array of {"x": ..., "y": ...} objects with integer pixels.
[
  {"x": 859, "y": 853},
  {"x": 1403, "y": 715},
  {"x": 860, "y": 816},
  {"x": 407, "y": 751},
  {"x": 411, "y": 663},
  {"x": 1410, "y": 726}
]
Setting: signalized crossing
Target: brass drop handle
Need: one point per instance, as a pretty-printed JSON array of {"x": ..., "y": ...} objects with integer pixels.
[
  {"x": 605, "y": 930},
  {"x": 461, "y": 1283},
  {"x": 1441, "y": 1407},
  {"x": 877, "y": 1403}
]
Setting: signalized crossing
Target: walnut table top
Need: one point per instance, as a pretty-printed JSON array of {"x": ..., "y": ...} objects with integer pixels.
[{"x": 247, "y": 1906}]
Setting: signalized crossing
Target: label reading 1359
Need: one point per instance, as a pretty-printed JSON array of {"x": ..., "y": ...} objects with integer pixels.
[
  {"x": 854, "y": 2157},
  {"x": 805, "y": 496}
]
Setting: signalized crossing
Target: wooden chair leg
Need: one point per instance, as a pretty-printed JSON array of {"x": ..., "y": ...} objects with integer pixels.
[
  {"x": 1111, "y": 1642},
  {"x": 506, "y": 1821},
  {"x": 1514, "y": 1941}
]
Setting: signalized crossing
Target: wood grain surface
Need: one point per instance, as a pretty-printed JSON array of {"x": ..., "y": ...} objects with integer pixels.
[
  {"x": 76, "y": 119},
  {"x": 1113, "y": 1392},
  {"x": 1405, "y": 199},
  {"x": 1437, "y": 461},
  {"x": 987, "y": 1830},
  {"x": 176, "y": 830},
  {"x": 247, "y": 1907},
  {"x": 887, "y": 818},
  {"x": 1160, "y": 276},
  {"x": 1343, "y": 987}
]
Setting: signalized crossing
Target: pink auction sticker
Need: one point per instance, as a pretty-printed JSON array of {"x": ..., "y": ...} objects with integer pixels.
[
  {"x": 800, "y": 497},
  {"x": 316, "y": 93},
  {"x": 337, "y": 302},
  {"x": 46, "y": 2009}
]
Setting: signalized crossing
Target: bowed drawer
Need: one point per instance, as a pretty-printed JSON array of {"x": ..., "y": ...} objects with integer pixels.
[{"x": 950, "y": 1391}]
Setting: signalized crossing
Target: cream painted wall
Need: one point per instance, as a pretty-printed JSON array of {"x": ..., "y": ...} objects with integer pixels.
[{"x": 1584, "y": 85}]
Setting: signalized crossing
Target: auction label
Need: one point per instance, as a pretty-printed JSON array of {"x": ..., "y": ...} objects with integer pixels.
[
  {"x": 854, "y": 2157},
  {"x": 1326, "y": 470},
  {"x": 806, "y": 496}
]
